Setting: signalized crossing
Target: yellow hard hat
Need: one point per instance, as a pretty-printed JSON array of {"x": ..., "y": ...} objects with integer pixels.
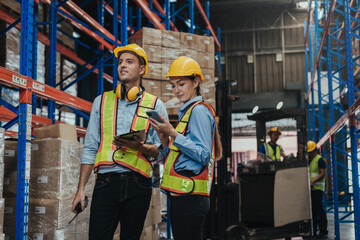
[
  {"x": 311, "y": 146},
  {"x": 184, "y": 67},
  {"x": 274, "y": 129},
  {"x": 135, "y": 49}
]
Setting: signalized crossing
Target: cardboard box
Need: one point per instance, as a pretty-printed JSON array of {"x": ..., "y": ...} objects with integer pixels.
[
  {"x": 59, "y": 130},
  {"x": 156, "y": 214},
  {"x": 10, "y": 155},
  {"x": 146, "y": 35},
  {"x": 2, "y": 209},
  {"x": 154, "y": 71},
  {"x": 155, "y": 197},
  {"x": 153, "y": 52},
  {"x": 11, "y": 6},
  {"x": 197, "y": 56},
  {"x": 170, "y": 39},
  {"x": 152, "y": 86},
  {"x": 147, "y": 233},
  {"x": 206, "y": 44},
  {"x": 9, "y": 212},
  {"x": 55, "y": 153},
  {"x": 149, "y": 218},
  {"x": 2, "y": 144},
  {"x": 10, "y": 183},
  {"x": 53, "y": 213},
  {"x": 2, "y": 172},
  {"x": 206, "y": 60},
  {"x": 169, "y": 55},
  {"x": 57, "y": 183},
  {"x": 208, "y": 87},
  {"x": 189, "y": 40}
]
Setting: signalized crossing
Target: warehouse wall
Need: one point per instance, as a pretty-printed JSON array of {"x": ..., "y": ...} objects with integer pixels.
[{"x": 264, "y": 50}]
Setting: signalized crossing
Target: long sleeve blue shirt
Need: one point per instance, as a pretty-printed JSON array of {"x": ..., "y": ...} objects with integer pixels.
[
  {"x": 125, "y": 116},
  {"x": 196, "y": 145}
]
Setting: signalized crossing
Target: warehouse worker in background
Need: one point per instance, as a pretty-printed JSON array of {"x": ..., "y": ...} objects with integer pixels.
[
  {"x": 317, "y": 167},
  {"x": 194, "y": 145},
  {"x": 123, "y": 186},
  {"x": 271, "y": 150}
]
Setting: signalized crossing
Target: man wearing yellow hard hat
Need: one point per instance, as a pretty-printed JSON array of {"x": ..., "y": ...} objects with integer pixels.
[
  {"x": 317, "y": 167},
  {"x": 122, "y": 191},
  {"x": 271, "y": 150}
]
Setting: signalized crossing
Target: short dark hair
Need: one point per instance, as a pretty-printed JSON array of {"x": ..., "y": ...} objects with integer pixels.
[{"x": 141, "y": 59}]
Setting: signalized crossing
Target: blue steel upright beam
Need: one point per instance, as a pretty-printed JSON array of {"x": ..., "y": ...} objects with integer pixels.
[
  {"x": 52, "y": 56},
  {"x": 351, "y": 97},
  {"x": 24, "y": 132},
  {"x": 35, "y": 43},
  {"x": 307, "y": 83},
  {"x": 167, "y": 14},
  {"x": 207, "y": 11},
  {"x": 191, "y": 14},
  {"x": 332, "y": 122},
  {"x": 100, "y": 80},
  {"x": 124, "y": 22},
  {"x": 317, "y": 46},
  {"x": 312, "y": 89},
  {"x": 218, "y": 53},
  {"x": 116, "y": 35}
]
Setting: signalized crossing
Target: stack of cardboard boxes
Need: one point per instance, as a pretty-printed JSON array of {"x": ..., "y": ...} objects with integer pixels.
[
  {"x": 54, "y": 175},
  {"x": 162, "y": 48},
  {"x": 2, "y": 200}
]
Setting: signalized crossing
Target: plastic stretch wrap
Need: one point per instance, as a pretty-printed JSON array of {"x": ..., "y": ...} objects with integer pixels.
[
  {"x": 2, "y": 149},
  {"x": 54, "y": 176}
]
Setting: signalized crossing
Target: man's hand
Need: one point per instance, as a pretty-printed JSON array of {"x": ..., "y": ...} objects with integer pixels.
[
  {"x": 134, "y": 144},
  {"x": 79, "y": 197}
]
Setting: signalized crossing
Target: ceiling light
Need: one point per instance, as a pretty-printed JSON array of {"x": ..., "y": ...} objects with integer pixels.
[{"x": 255, "y": 109}]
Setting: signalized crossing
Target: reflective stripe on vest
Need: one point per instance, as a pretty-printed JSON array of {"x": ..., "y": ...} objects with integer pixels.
[
  {"x": 314, "y": 172},
  {"x": 270, "y": 151},
  {"x": 176, "y": 183},
  {"x": 127, "y": 157}
]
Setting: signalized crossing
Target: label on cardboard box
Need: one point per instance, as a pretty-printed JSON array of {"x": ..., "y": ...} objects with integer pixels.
[
  {"x": 38, "y": 236},
  {"x": 34, "y": 147},
  {"x": 206, "y": 42},
  {"x": 42, "y": 179},
  {"x": 189, "y": 38},
  {"x": 9, "y": 153},
  {"x": 8, "y": 210},
  {"x": 40, "y": 210}
]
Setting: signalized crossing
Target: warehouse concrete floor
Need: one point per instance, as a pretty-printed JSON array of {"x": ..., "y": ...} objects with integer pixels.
[{"x": 347, "y": 230}]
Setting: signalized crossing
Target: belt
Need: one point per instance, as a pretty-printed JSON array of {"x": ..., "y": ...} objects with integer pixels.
[{"x": 110, "y": 175}]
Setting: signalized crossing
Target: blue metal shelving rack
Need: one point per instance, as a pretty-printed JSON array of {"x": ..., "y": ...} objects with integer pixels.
[
  {"x": 331, "y": 57},
  {"x": 30, "y": 89}
]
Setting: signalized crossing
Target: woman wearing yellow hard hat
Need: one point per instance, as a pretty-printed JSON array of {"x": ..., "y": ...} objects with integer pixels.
[{"x": 191, "y": 149}]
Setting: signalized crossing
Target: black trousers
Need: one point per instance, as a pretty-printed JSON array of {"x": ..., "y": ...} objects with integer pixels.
[
  {"x": 318, "y": 213},
  {"x": 187, "y": 216},
  {"x": 123, "y": 197}
]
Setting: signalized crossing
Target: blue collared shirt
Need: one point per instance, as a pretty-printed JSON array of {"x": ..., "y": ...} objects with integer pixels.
[
  {"x": 196, "y": 145},
  {"x": 126, "y": 112}
]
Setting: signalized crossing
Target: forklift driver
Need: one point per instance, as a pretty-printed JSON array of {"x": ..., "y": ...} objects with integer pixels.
[{"x": 270, "y": 150}]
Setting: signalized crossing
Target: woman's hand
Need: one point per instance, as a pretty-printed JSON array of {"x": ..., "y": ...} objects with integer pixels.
[{"x": 164, "y": 129}]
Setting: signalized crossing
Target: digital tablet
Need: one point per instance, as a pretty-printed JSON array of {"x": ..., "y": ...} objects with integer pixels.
[{"x": 130, "y": 136}]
